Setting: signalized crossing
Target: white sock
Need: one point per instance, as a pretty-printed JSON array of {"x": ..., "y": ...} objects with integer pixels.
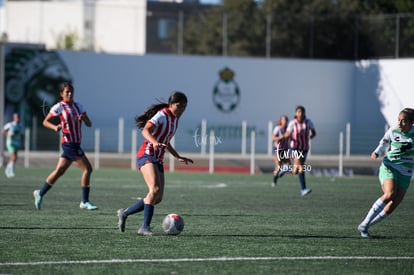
[
  {"x": 381, "y": 216},
  {"x": 376, "y": 208}
]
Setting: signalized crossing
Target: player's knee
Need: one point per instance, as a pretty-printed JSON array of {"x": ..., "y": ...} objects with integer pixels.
[
  {"x": 155, "y": 191},
  {"x": 89, "y": 170},
  {"x": 388, "y": 195}
]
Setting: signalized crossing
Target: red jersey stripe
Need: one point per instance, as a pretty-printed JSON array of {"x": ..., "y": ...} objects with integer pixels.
[
  {"x": 165, "y": 127},
  {"x": 68, "y": 114}
]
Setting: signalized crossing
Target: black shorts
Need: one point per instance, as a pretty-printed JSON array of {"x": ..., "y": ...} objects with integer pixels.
[
  {"x": 72, "y": 151},
  {"x": 141, "y": 161}
]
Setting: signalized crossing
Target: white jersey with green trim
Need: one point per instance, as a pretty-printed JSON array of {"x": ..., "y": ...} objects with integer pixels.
[
  {"x": 14, "y": 132},
  {"x": 400, "y": 154}
]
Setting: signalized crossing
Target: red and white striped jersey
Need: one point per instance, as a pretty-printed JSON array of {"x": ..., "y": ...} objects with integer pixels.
[
  {"x": 300, "y": 134},
  {"x": 69, "y": 118},
  {"x": 165, "y": 126},
  {"x": 282, "y": 144}
]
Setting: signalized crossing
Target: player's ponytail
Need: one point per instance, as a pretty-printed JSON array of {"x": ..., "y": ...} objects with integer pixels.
[
  {"x": 141, "y": 120},
  {"x": 175, "y": 97}
]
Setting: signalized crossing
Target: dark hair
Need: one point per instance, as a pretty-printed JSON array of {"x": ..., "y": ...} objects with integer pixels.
[
  {"x": 175, "y": 97},
  {"x": 409, "y": 113},
  {"x": 300, "y": 107},
  {"x": 65, "y": 85},
  {"x": 279, "y": 120}
]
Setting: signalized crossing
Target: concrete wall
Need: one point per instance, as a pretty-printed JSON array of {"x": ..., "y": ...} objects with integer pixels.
[
  {"x": 368, "y": 95},
  {"x": 113, "y": 86}
]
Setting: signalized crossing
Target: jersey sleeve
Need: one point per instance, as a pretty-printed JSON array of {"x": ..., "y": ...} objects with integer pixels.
[
  {"x": 157, "y": 119},
  {"x": 6, "y": 127},
  {"x": 56, "y": 109},
  {"x": 384, "y": 143},
  {"x": 276, "y": 131},
  {"x": 290, "y": 126}
]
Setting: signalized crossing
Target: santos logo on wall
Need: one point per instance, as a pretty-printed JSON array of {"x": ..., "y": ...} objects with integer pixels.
[{"x": 226, "y": 93}]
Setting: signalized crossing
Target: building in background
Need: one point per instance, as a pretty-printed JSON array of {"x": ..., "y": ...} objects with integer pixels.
[
  {"x": 103, "y": 26},
  {"x": 110, "y": 26},
  {"x": 165, "y": 25},
  {"x": 2, "y": 20}
]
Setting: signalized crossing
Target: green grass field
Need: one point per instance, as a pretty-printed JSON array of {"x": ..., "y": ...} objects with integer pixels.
[{"x": 234, "y": 224}]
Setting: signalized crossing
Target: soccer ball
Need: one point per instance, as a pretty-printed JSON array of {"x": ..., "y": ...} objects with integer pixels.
[{"x": 173, "y": 224}]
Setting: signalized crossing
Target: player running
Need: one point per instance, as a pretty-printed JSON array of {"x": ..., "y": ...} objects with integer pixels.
[
  {"x": 13, "y": 131},
  {"x": 395, "y": 171},
  {"x": 71, "y": 115},
  {"x": 300, "y": 131},
  {"x": 159, "y": 124},
  {"x": 280, "y": 149}
]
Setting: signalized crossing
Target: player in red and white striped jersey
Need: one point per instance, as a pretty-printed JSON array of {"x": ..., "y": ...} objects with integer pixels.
[
  {"x": 280, "y": 149},
  {"x": 165, "y": 124},
  {"x": 158, "y": 125},
  {"x": 300, "y": 130},
  {"x": 71, "y": 115}
]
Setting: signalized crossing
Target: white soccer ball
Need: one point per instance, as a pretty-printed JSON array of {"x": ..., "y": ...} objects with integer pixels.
[{"x": 173, "y": 224}]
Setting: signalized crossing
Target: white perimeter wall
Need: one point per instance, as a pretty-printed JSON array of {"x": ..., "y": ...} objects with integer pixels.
[{"x": 333, "y": 92}]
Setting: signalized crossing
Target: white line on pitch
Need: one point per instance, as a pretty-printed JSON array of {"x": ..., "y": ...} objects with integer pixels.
[{"x": 218, "y": 259}]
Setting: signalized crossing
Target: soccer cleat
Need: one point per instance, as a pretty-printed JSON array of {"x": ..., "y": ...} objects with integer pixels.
[
  {"x": 9, "y": 173},
  {"x": 122, "y": 220},
  {"x": 38, "y": 199},
  {"x": 273, "y": 184},
  {"x": 87, "y": 205},
  {"x": 144, "y": 230},
  {"x": 363, "y": 229},
  {"x": 306, "y": 191}
]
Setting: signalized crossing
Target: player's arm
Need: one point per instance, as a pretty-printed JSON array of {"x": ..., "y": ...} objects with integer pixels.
[
  {"x": 84, "y": 117},
  {"x": 312, "y": 133},
  {"x": 4, "y": 131},
  {"x": 146, "y": 133},
  {"x": 173, "y": 152},
  {"x": 277, "y": 136},
  {"x": 288, "y": 131},
  {"x": 47, "y": 122},
  {"x": 382, "y": 146}
]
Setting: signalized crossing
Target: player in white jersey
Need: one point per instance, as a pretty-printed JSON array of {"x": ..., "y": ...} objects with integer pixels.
[
  {"x": 13, "y": 131},
  {"x": 158, "y": 125},
  {"x": 71, "y": 115},
  {"x": 395, "y": 171}
]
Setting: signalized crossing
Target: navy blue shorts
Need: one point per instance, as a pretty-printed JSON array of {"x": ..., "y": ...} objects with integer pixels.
[
  {"x": 72, "y": 151},
  {"x": 299, "y": 154},
  {"x": 141, "y": 161}
]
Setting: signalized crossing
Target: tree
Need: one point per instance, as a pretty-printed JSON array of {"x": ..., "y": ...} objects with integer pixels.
[
  {"x": 336, "y": 29},
  {"x": 240, "y": 20}
]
